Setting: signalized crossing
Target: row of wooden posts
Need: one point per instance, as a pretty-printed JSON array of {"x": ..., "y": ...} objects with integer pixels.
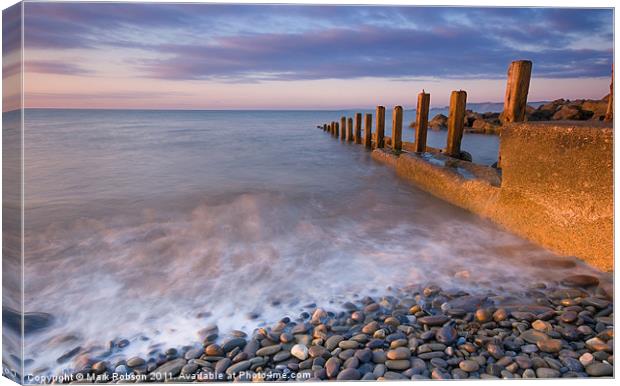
[{"x": 350, "y": 129}]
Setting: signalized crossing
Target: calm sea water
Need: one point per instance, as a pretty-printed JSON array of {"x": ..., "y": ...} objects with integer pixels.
[{"x": 150, "y": 225}]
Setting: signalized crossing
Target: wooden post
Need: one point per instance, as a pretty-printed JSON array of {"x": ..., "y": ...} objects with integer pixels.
[
  {"x": 368, "y": 130},
  {"x": 343, "y": 127},
  {"x": 332, "y": 128},
  {"x": 421, "y": 119},
  {"x": 358, "y": 128},
  {"x": 397, "y": 128},
  {"x": 609, "y": 115},
  {"x": 517, "y": 87},
  {"x": 336, "y": 129},
  {"x": 458, "y": 100},
  {"x": 349, "y": 129},
  {"x": 380, "y": 124}
]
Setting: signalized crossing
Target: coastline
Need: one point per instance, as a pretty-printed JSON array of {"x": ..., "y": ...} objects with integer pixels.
[{"x": 564, "y": 330}]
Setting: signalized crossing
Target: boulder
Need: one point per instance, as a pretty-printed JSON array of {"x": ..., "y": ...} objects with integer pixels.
[
  {"x": 569, "y": 112},
  {"x": 439, "y": 122}
]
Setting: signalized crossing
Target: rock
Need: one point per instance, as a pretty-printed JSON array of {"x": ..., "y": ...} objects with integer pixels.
[
  {"x": 193, "y": 353},
  {"x": 168, "y": 369},
  {"x": 468, "y": 303},
  {"x": 545, "y": 372},
  {"x": 135, "y": 362},
  {"x": 568, "y": 317},
  {"x": 400, "y": 364},
  {"x": 580, "y": 281},
  {"x": 318, "y": 316},
  {"x": 349, "y": 374},
  {"x": 446, "y": 335},
  {"x": 597, "y": 344},
  {"x": 469, "y": 365},
  {"x": 268, "y": 350},
  {"x": 281, "y": 356},
  {"x": 500, "y": 315},
  {"x": 399, "y": 353},
  {"x": 495, "y": 350},
  {"x": 435, "y": 320},
  {"x": 232, "y": 343},
  {"x": 100, "y": 367},
  {"x": 333, "y": 341},
  {"x": 569, "y": 112},
  {"x": 348, "y": 344},
  {"x": 482, "y": 126},
  {"x": 586, "y": 359},
  {"x": 439, "y": 122},
  {"x": 123, "y": 370},
  {"x": 222, "y": 365},
  {"x": 542, "y": 326},
  {"x": 300, "y": 352},
  {"x": 533, "y": 336},
  {"x": 238, "y": 367},
  {"x": 595, "y": 302},
  {"x": 332, "y": 367},
  {"x": 600, "y": 369},
  {"x": 549, "y": 345},
  {"x": 214, "y": 350}
]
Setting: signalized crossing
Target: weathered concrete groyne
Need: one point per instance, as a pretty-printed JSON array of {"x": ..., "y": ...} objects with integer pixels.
[{"x": 553, "y": 186}]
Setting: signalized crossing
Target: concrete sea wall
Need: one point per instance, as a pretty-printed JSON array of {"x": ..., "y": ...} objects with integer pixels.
[{"x": 555, "y": 187}]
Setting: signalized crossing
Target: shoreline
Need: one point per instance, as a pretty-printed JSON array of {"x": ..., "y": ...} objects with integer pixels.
[{"x": 416, "y": 333}]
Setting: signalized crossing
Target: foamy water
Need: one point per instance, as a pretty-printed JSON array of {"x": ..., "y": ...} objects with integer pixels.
[{"x": 150, "y": 226}]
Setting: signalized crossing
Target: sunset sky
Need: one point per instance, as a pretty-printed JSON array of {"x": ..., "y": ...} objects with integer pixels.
[{"x": 194, "y": 56}]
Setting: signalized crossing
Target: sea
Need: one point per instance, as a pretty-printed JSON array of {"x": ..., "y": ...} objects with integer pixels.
[{"x": 146, "y": 226}]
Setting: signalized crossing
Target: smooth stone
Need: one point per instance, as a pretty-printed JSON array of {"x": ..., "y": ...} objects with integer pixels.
[
  {"x": 332, "y": 367},
  {"x": 193, "y": 353},
  {"x": 542, "y": 326},
  {"x": 222, "y": 365},
  {"x": 123, "y": 370},
  {"x": 399, "y": 353},
  {"x": 135, "y": 362},
  {"x": 238, "y": 367},
  {"x": 214, "y": 350},
  {"x": 580, "y": 281},
  {"x": 568, "y": 317},
  {"x": 168, "y": 369},
  {"x": 597, "y": 344},
  {"x": 348, "y": 344},
  {"x": 533, "y": 336},
  {"x": 554, "y": 263},
  {"x": 446, "y": 335},
  {"x": 268, "y": 350},
  {"x": 435, "y": 320},
  {"x": 586, "y": 359},
  {"x": 549, "y": 345},
  {"x": 233, "y": 343},
  {"x": 300, "y": 352},
  {"x": 281, "y": 356},
  {"x": 545, "y": 372},
  {"x": 529, "y": 348},
  {"x": 600, "y": 369},
  {"x": 402, "y": 364},
  {"x": 349, "y": 374},
  {"x": 595, "y": 302},
  {"x": 483, "y": 315},
  {"x": 332, "y": 342},
  {"x": 469, "y": 365}
]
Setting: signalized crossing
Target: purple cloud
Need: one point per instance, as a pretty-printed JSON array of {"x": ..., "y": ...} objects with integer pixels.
[{"x": 249, "y": 43}]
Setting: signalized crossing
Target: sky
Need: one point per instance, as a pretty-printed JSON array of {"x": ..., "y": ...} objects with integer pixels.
[{"x": 217, "y": 56}]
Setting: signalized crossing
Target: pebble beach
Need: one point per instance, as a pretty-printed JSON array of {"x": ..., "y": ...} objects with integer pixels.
[{"x": 416, "y": 332}]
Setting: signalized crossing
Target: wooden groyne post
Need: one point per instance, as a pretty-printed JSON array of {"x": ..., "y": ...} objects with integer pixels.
[
  {"x": 397, "y": 128},
  {"x": 368, "y": 130},
  {"x": 456, "y": 117},
  {"x": 343, "y": 127},
  {"x": 336, "y": 129},
  {"x": 358, "y": 128},
  {"x": 421, "y": 119},
  {"x": 517, "y": 88},
  {"x": 349, "y": 129},
  {"x": 380, "y": 127}
]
